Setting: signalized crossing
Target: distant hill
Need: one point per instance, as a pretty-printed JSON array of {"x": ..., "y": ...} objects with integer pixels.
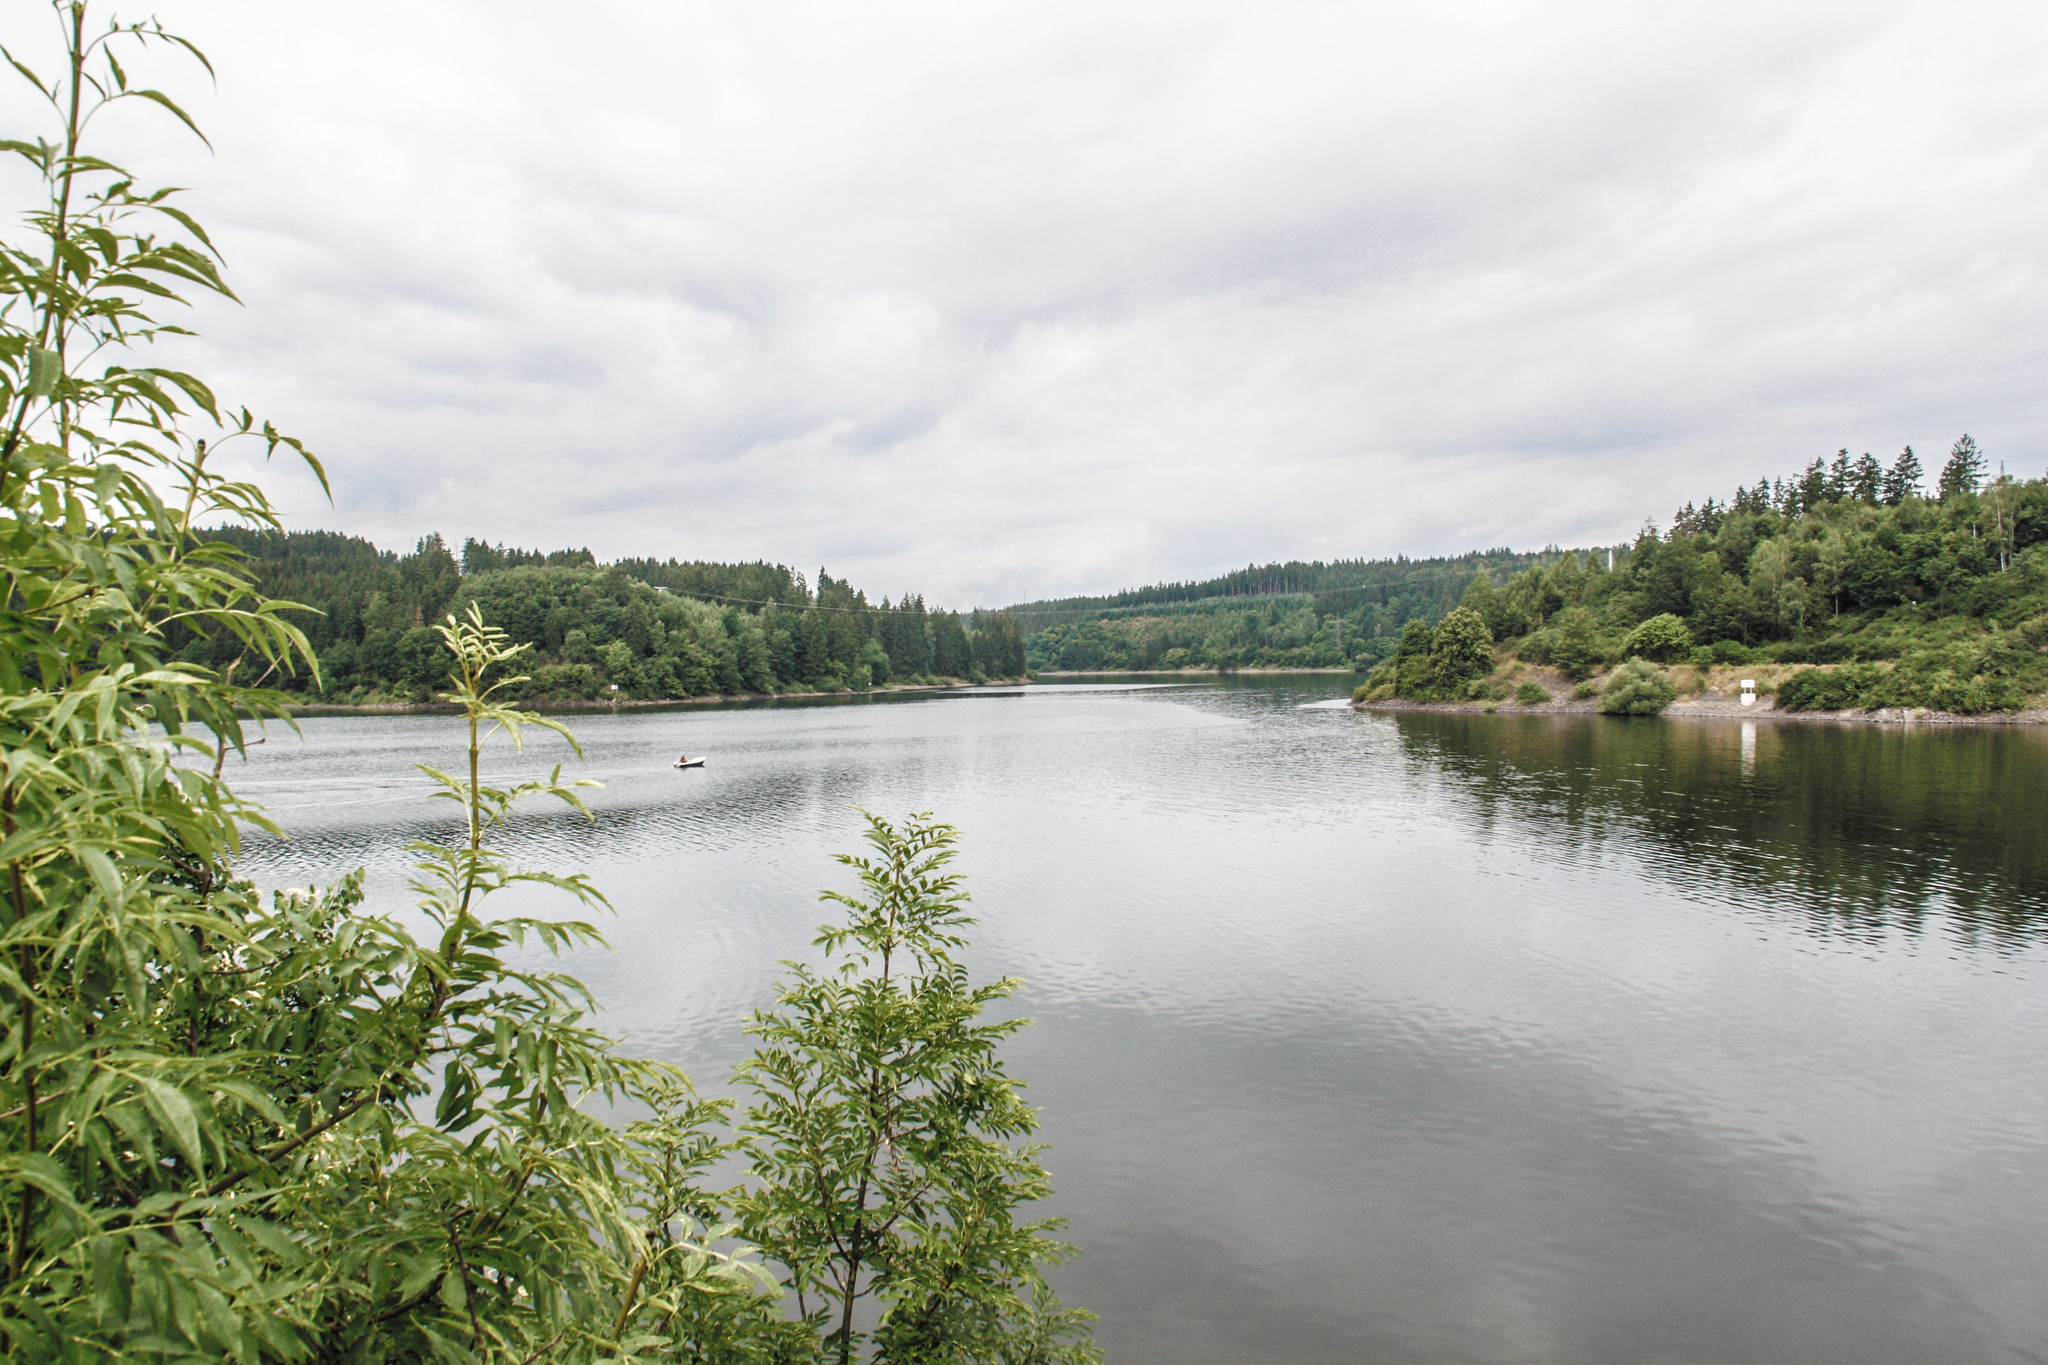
[
  {"x": 1907, "y": 598},
  {"x": 637, "y": 628},
  {"x": 1298, "y": 614}
]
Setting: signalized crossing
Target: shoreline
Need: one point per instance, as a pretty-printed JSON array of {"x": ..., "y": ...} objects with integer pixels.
[
  {"x": 581, "y": 706},
  {"x": 1209, "y": 672},
  {"x": 1719, "y": 706}
]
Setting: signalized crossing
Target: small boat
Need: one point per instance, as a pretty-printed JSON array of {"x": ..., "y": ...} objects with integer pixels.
[{"x": 687, "y": 762}]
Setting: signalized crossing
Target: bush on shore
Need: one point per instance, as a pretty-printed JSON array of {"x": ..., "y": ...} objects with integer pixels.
[{"x": 1637, "y": 688}]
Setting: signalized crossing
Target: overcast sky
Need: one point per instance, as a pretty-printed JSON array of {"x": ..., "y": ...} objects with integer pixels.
[{"x": 998, "y": 300}]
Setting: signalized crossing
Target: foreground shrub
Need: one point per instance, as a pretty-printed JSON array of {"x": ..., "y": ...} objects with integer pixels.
[
  {"x": 883, "y": 1143},
  {"x": 294, "y": 1132},
  {"x": 1636, "y": 688}
]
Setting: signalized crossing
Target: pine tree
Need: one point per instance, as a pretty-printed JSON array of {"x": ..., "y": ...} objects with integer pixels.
[
  {"x": 1841, "y": 476},
  {"x": 1812, "y": 489},
  {"x": 1964, "y": 470},
  {"x": 1867, "y": 480},
  {"x": 1903, "y": 479}
]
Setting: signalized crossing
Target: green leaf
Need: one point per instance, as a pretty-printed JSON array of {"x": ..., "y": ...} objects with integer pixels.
[
  {"x": 159, "y": 97},
  {"x": 420, "y": 1272},
  {"x": 44, "y": 370},
  {"x": 174, "y": 1115},
  {"x": 453, "y": 1291}
]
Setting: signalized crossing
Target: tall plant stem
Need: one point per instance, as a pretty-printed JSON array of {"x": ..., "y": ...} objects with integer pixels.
[
  {"x": 473, "y": 676},
  {"x": 17, "y": 1255},
  {"x": 59, "y": 229},
  {"x": 632, "y": 1292}
]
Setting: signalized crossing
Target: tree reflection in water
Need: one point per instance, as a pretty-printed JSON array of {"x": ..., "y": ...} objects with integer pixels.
[{"x": 1860, "y": 830}]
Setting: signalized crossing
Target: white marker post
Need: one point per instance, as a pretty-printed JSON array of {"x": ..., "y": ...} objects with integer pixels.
[{"x": 1749, "y": 691}]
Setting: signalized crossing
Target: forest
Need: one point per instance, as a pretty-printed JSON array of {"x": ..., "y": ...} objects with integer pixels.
[
  {"x": 1919, "y": 596},
  {"x": 651, "y": 629},
  {"x": 1295, "y": 615},
  {"x": 1912, "y": 597}
]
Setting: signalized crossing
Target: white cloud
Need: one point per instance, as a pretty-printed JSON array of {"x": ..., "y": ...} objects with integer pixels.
[{"x": 1015, "y": 298}]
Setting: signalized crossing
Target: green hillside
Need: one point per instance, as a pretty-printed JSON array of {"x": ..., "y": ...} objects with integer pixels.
[
  {"x": 1912, "y": 596},
  {"x": 653, "y": 629},
  {"x": 1937, "y": 600},
  {"x": 1293, "y": 615}
]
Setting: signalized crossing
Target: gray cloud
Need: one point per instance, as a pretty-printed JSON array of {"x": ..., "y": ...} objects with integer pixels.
[{"x": 1010, "y": 299}]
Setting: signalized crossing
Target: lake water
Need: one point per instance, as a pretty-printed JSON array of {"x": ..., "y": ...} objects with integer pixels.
[{"x": 1437, "y": 1038}]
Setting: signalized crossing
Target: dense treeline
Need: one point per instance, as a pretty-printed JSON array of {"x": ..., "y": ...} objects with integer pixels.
[
  {"x": 1294, "y": 615},
  {"x": 649, "y": 629},
  {"x": 1938, "y": 600}
]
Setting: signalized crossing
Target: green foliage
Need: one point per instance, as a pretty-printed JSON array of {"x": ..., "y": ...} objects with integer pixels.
[
  {"x": 1902, "y": 480},
  {"x": 298, "y": 1132},
  {"x": 1296, "y": 615},
  {"x": 1824, "y": 689},
  {"x": 115, "y": 1134},
  {"x": 881, "y": 1144},
  {"x": 689, "y": 630},
  {"x": 1460, "y": 650},
  {"x": 304, "y": 1132},
  {"x": 1505, "y": 617},
  {"x": 502, "y": 1221},
  {"x": 1663, "y": 638},
  {"x": 1409, "y": 668},
  {"x": 1636, "y": 688},
  {"x": 1531, "y": 694},
  {"x": 1572, "y": 644},
  {"x": 1972, "y": 677},
  {"x": 1845, "y": 562},
  {"x": 1964, "y": 470}
]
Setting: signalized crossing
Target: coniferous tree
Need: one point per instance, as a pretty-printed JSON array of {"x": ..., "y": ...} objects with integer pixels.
[
  {"x": 1812, "y": 489},
  {"x": 1964, "y": 470},
  {"x": 1867, "y": 479},
  {"x": 951, "y": 656},
  {"x": 1841, "y": 476},
  {"x": 1902, "y": 480}
]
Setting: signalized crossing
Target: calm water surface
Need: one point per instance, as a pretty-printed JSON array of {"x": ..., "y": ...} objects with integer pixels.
[{"x": 1419, "y": 1039}]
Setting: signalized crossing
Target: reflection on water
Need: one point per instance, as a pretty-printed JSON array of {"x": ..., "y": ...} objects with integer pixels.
[
  {"x": 1857, "y": 829},
  {"x": 1437, "y": 1038}
]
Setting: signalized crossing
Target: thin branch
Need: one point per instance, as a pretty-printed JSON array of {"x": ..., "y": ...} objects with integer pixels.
[
  {"x": 632, "y": 1292},
  {"x": 553, "y": 1342},
  {"x": 476, "y": 1329}
]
